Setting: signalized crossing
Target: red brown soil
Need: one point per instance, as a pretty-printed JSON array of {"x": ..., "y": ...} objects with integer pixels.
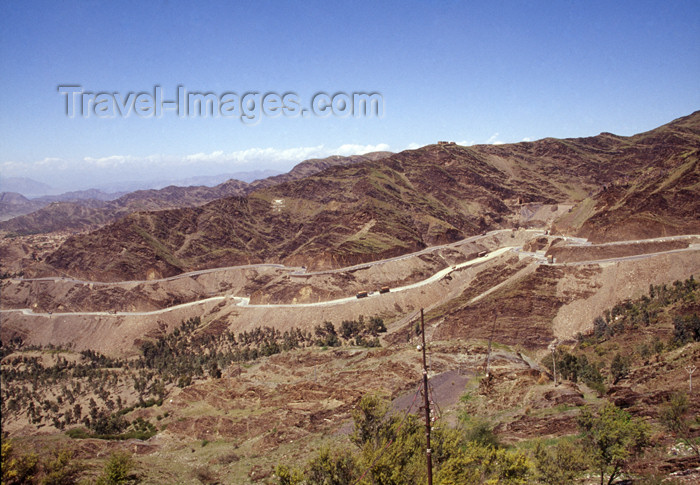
[
  {"x": 519, "y": 313},
  {"x": 570, "y": 254}
]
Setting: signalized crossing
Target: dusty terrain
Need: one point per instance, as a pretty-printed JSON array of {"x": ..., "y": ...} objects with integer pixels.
[
  {"x": 359, "y": 212},
  {"x": 490, "y": 241},
  {"x": 84, "y": 212},
  {"x": 18, "y": 252},
  {"x": 261, "y": 283},
  {"x": 281, "y": 409},
  {"x": 514, "y": 296}
]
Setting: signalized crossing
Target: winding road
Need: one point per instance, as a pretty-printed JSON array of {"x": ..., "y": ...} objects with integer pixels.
[
  {"x": 294, "y": 271},
  {"x": 244, "y": 301}
]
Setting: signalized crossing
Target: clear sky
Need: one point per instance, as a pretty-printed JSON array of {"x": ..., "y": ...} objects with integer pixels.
[{"x": 472, "y": 72}]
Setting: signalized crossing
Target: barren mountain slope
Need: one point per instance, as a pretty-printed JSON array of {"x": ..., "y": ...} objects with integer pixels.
[
  {"x": 355, "y": 213},
  {"x": 13, "y": 204},
  {"x": 660, "y": 199},
  {"x": 91, "y": 214},
  {"x": 344, "y": 215}
]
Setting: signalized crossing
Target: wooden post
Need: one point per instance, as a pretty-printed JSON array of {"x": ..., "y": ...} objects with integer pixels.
[{"x": 428, "y": 451}]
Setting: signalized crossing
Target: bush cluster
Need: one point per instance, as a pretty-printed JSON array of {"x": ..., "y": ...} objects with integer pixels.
[
  {"x": 57, "y": 393},
  {"x": 645, "y": 311}
]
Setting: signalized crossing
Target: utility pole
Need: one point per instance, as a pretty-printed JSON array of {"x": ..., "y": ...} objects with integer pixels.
[
  {"x": 690, "y": 369},
  {"x": 428, "y": 451},
  {"x": 553, "y": 348},
  {"x": 488, "y": 354}
]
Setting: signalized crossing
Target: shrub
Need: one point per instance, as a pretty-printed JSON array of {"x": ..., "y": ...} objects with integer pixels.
[
  {"x": 332, "y": 468},
  {"x": 117, "y": 470},
  {"x": 61, "y": 469},
  {"x": 477, "y": 464},
  {"x": 559, "y": 464},
  {"x": 17, "y": 469},
  {"x": 481, "y": 432},
  {"x": 675, "y": 417},
  {"x": 611, "y": 438}
]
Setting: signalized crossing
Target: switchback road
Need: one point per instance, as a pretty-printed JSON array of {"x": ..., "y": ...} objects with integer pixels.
[{"x": 244, "y": 301}]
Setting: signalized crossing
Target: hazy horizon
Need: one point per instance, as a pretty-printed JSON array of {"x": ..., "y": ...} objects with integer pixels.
[
  {"x": 42, "y": 188},
  {"x": 71, "y": 114}
]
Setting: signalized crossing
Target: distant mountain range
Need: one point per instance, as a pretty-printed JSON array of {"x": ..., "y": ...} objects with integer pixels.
[
  {"x": 33, "y": 189},
  {"x": 89, "y": 209},
  {"x": 207, "y": 180},
  {"x": 384, "y": 205},
  {"x": 34, "y": 195},
  {"x": 25, "y": 186}
]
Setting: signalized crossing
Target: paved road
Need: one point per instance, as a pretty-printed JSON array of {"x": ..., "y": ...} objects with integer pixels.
[
  {"x": 692, "y": 247},
  {"x": 28, "y": 311},
  {"x": 436, "y": 277},
  {"x": 294, "y": 270},
  {"x": 65, "y": 279},
  {"x": 652, "y": 240},
  {"x": 243, "y": 301},
  {"x": 542, "y": 259},
  {"x": 414, "y": 254}
]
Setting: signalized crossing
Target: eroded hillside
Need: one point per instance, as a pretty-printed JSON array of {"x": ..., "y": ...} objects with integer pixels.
[{"x": 348, "y": 214}]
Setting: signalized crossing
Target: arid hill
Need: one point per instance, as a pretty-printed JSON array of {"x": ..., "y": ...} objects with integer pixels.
[
  {"x": 76, "y": 214},
  {"x": 369, "y": 210},
  {"x": 80, "y": 215},
  {"x": 219, "y": 376},
  {"x": 13, "y": 204},
  {"x": 661, "y": 199}
]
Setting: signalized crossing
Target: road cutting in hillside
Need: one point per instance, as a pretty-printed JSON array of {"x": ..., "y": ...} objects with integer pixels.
[{"x": 245, "y": 301}]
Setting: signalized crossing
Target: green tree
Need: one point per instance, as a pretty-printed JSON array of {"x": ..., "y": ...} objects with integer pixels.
[
  {"x": 686, "y": 328},
  {"x": 368, "y": 417},
  {"x": 559, "y": 464},
  {"x": 611, "y": 438},
  {"x": 375, "y": 325},
  {"x": 619, "y": 368},
  {"x": 214, "y": 370},
  {"x": 674, "y": 416},
  {"x": 17, "y": 469},
  {"x": 117, "y": 470},
  {"x": 349, "y": 328},
  {"x": 61, "y": 469},
  {"x": 327, "y": 335},
  {"x": 392, "y": 448},
  {"x": 400, "y": 457},
  {"x": 392, "y": 451}
]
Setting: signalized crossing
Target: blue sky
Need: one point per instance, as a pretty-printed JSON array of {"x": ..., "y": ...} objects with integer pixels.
[{"x": 473, "y": 72}]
